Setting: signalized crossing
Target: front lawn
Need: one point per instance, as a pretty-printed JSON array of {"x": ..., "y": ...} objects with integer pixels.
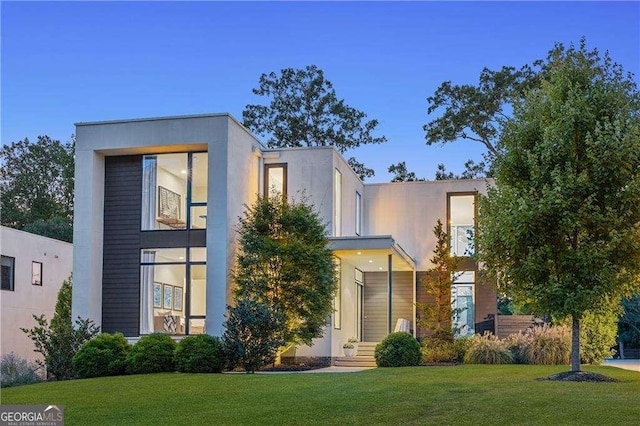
[{"x": 468, "y": 394}]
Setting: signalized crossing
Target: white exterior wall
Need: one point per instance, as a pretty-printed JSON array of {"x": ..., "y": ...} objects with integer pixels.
[
  {"x": 410, "y": 210},
  {"x": 229, "y": 148},
  {"x": 26, "y": 300}
]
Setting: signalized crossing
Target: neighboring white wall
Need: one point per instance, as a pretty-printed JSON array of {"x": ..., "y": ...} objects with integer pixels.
[
  {"x": 410, "y": 210},
  {"x": 26, "y": 300}
]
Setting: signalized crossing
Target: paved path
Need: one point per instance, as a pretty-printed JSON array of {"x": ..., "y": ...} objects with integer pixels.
[
  {"x": 332, "y": 369},
  {"x": 627, "y": 364}
]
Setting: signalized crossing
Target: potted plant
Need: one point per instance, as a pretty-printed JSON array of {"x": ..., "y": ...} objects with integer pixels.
[{"x": 350, "y": 348}]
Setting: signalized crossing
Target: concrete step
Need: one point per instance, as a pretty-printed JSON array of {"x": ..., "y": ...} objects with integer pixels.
[
  {"x": 366, "y": 348},
  {"x": 355, "y": 361}
]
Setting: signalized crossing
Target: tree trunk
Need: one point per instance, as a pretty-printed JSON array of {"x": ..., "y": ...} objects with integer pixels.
[
  {"x": 621, "y": 350},
  {"x": 575, "y": 343}
]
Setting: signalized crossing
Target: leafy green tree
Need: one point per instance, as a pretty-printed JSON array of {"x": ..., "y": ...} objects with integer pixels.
[
  {"x": 436, "y": 316},
  {"x": 36, "y": 186},
  {"x": 560, "y": 229},
  {"x": 401, "y": 174},
  {"x": 304, "y": 110},
  {"x": 59, "y": 341},
  {"x": 471, "y": 171},
  {"x": 285, "y": 264},
  {"x": 252, "y": 335},
  {"x": 629, "y": 323}
]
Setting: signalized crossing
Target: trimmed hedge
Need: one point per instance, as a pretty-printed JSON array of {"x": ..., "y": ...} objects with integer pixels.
[
  {"x": 104, "y": 355},
  {"x": 399, "y": 349},
  {"x": 152, "y": 354},
  {"x": 199, "y": 354}
]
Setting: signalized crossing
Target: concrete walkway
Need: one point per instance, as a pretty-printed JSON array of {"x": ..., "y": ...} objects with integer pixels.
[
  {"x": 627, "y": 364},
  {"x": 332, "y": 369}
]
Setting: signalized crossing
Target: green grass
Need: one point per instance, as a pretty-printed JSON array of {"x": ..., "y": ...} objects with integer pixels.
[{"x": 469, "y": 394}]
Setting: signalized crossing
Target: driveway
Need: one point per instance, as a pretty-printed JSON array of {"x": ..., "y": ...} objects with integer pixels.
[{"x": 627, "y": 364}]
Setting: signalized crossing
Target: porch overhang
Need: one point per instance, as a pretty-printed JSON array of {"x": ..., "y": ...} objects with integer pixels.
[{"x": 371, "y": 253}]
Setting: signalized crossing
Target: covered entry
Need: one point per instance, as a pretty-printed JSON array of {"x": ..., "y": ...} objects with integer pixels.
[{"x": 385, "y": 286}]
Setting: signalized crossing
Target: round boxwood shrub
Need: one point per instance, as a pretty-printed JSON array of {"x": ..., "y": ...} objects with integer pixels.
[
  {"x": 398, "y": 350},
  {"x": 199, "y": 354},
  {"x": 104, "y": 355},
  {"x": 152, "y": 354}
]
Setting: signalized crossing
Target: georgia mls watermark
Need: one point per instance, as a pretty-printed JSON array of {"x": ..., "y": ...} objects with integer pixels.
[{"x": 31, "y": 415}]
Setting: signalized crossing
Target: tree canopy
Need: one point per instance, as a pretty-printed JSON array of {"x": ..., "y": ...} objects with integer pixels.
[
  {"x": 284, "y": 263},
  {"x": 561, "y": 229},
  {"x": 36, "y": 186},
  {"x": 401, "y": 174},
  {"x": 304, "y": 110}
]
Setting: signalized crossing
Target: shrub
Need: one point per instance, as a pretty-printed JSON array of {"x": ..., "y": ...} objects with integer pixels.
[
  {"x": 59, "y": 340},
  {"x": 251, "y": 336},
  {"x": 548, "y": 345},
  {"x": 517, "y": 344},
  {"x": 199, "y": 354},
  {"x": 487, "y": 349},
  {"x": 399, "y": 349},
  {"x": 441, "y": 350},
  {"x": 16, "y": 371},
  {"x": 597, "y": 336},
  {"x": 104, "y": 355},
  {"x": 152, "y": 354}
]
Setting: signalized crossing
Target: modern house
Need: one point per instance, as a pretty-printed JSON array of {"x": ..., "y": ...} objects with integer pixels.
[
  {"x": 157, "y": 202},
  {"x": 33, "y": 269}
]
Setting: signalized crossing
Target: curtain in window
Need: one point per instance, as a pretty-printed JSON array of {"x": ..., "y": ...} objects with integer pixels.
[
  {"x": 149, "y": 185},
  {"x": 146, "y": 292}
]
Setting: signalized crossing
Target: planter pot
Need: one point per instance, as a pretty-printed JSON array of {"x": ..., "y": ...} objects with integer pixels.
[{"x": 349, "y": 352}]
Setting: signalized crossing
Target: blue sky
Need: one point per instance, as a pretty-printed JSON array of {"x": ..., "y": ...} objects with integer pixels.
[{"x": 68, "y": 62}]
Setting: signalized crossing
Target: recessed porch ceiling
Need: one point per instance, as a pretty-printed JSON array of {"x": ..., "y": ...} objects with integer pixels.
[{"x": 371, "y": 254}]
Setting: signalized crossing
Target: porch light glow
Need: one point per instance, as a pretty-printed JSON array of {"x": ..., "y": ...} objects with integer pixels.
[
  {"x": 359, "y": 253},
  {"x": 370, "y": 261}
]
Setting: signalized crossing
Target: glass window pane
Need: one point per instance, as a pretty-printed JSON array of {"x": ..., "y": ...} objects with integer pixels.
[
  {"x": 275, "y": 181},
  {"x": 199, "y": 217},
  {"x": 8, "y": 273},
  {"x": 164, "y": 255},
  {"x": 198, "y": 254},
  {"x": 162, "y": 298},
  {"x": 164, "y": 191},
  {"x": 462, "y": 220},
  {"x": 196, "y": 326},
  {"x": 358, "y": 213},
  {"x": 198, "y": 290},
  {"x": 36, "y": 273},
  {"x": 199, "y": 177},
  {"x": 337, "y": 213}
]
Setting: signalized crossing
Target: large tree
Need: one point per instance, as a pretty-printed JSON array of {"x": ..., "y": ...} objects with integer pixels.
[
  {"x": 36, "y": 186},
  {"x": 304, "y": 110},
  {"x": 401, "y": 174},
  {"x": 561, "y": 229},
  {"x": 284, "y": 263}
]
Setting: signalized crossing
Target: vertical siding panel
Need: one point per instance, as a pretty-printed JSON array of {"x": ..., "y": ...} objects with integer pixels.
[{"x": 121, "y": 256}]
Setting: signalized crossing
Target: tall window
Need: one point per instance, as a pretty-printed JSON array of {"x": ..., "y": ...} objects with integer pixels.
[
  {"x": 8, "y": 273},
  {"x": 275, "y": 180},
  {"x": 337, "y": 301},
  {"x": 337, "y": 207},
  {"x": 358, "y": 213},
  {"x": 174, "y": 191},
  {"x": 461, "y": 224},
  {"x": 173, "y": 290},
  {"x": 462, "y": 303},
  {"x": 36, "y": 273}
]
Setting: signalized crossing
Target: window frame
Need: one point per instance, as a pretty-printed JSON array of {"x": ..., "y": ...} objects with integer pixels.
[
  {"x": 33, "y": 282},
  {"x": 358, "y": 213},
  {"x": 285, "y": 179},
  {"x": 12, "y": 283},
  {"x": 337, "y": 203},
  {"x": 475, "y": 219}
]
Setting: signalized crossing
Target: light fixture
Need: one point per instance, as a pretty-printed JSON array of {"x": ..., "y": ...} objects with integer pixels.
[
  {"x": 380, "y": 268},
  {"x": 181, "y": 257},
  {"x": 359, "y": 253},
  {"x": 184, "y": 172},
  {"x": 370, "y": 261}
]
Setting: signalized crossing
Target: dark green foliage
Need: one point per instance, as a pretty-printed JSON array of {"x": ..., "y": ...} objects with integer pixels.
[
  {"x": 104, "y": 355},
  {"x": 16, "y": 371},
  {"x": 399, "y": 349},
  {"x": 59, "y": 341},
  {"x": 199, "y": 354},
  {"x": 471, "y": 171},
  {"x": 251, "y": 338},
  {"x": 304, "y": 110},
  {"x": 36, "y": 186},
  {"x": 152, "y": 354},
  {"x": 59, "y": 228},
  {"x": 487, "y": 349},
  {"x": 285, "y": 264},
  {"x": 629, "y": 322},
  {"x": 560, "y": 230},
  {"x": 401, "y": 174}
]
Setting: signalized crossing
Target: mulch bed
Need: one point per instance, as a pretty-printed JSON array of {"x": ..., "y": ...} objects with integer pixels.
[{"x": 579, "y": 376}]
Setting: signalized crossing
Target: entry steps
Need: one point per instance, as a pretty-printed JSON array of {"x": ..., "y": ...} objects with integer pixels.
[{"x": 364, "y": 356}]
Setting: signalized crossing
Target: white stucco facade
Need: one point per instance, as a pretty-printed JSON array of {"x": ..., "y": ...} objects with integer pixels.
[{"x": 26, "y": 299}]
